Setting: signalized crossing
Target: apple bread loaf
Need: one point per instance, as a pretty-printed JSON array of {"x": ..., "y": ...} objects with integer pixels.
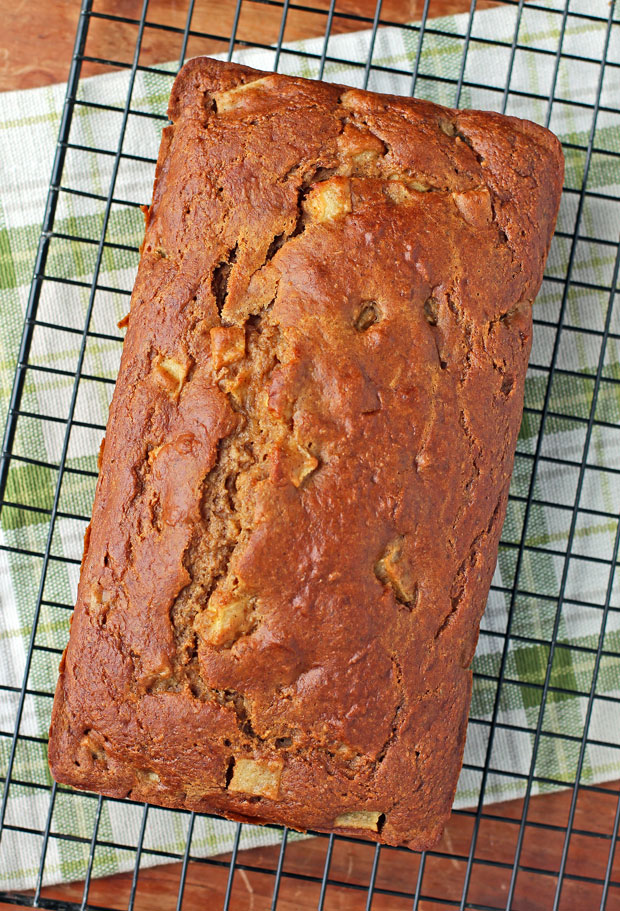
[{"x": 308, "y": 454}]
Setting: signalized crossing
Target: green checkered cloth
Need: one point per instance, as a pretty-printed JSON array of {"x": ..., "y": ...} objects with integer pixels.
[{"x": 28, "y": 128}]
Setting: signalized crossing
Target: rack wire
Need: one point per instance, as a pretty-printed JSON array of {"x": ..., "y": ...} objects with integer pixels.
[{"x": 553, "y": 851}]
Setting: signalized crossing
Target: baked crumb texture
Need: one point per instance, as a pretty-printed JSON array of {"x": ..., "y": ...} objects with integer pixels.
[{"x": 307, "y": 459}]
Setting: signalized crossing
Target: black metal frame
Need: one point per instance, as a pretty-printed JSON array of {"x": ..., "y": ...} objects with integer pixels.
[{"x": 561, "y": 328}]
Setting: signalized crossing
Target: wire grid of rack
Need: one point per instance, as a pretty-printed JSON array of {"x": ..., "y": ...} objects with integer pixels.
[{"x": 367, "y": 887}]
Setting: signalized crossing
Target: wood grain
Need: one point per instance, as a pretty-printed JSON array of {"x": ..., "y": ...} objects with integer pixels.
[{"x": 37, "y": 35}]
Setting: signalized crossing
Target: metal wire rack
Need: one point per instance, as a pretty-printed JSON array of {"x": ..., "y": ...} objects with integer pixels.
[{"x": 533, "y": 852}]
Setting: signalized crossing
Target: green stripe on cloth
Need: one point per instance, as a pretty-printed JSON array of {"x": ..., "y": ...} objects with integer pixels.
[{"x": 28, "y": 127}]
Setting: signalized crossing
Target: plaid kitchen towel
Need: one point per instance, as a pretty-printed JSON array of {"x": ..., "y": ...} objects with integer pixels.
[{"x": 28, "y": 128}]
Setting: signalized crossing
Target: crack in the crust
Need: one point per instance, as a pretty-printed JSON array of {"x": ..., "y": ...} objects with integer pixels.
[
  {"x": 508, "y": 384},
  {"x": 442, "y": 363},
  {"x": 317, "y": 172},
  {"x": 502, "y": 234},
  {"x": 398, "y": 673},
  {"x": 468, "y": 332},
  {"x": 460, "y": 581},
  {"x": 474, "y": 447},
  {"x": 229, "y": 771},
  {"x": 346, "y": 168},
  {"x": 236, "y": 701},
  {"x": 467, "y": 327},
  {"x": 219, "y": 280},
  {"x": 302, "y": 219},
  {"x": 226, "y": 517},
  {"x": 509, "y": 314},
  {"x": 276, "y": 244},
  {"x": 465, "y": 138},
  {"x": 509, "y": 378},
  {"x": 357, "y": 118}
]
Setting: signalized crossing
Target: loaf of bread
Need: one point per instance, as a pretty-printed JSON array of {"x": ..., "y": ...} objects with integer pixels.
[{"x": 307, "y": 459}]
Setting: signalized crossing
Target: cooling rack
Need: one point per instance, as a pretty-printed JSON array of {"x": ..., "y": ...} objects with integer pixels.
[{"x": 554, "y": 609}]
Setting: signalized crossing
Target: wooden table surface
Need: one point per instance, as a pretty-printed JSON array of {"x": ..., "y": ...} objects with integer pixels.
[
  {"x": 37, "y": 35},
  {"x": 37, "y": 41}
]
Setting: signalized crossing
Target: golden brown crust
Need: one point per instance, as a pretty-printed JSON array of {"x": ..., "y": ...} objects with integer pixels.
[{"x": 308, "y": 456}]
